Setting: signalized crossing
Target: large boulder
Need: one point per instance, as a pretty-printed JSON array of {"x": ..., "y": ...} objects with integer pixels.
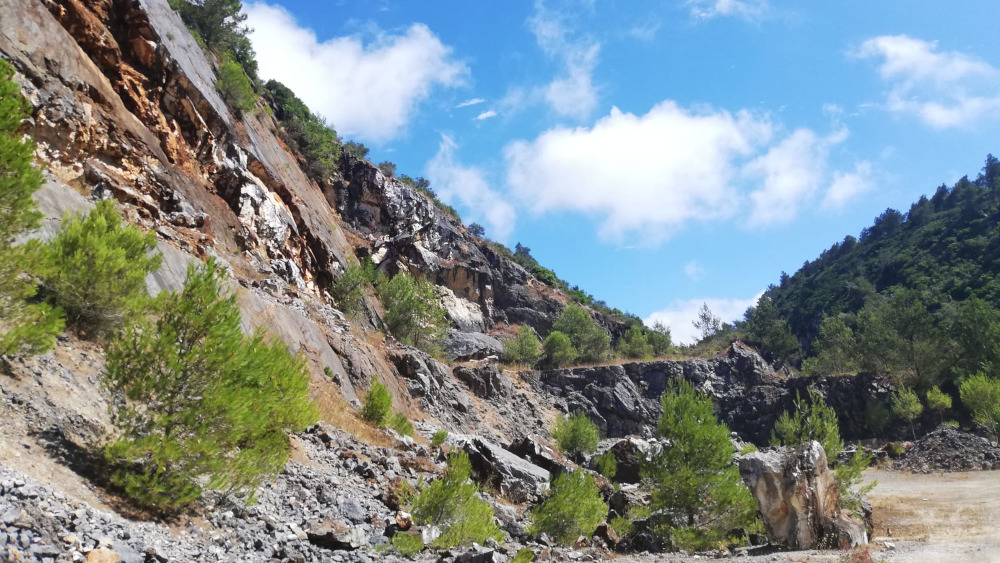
[
  {"x": 464, "y": 346},
  {"x": 799, "y": 499},
  {"x": 516, "y": 479},
  {"x": 629, "y": 454},
  {"x": 487, "y": 381},
  {"x": 528, "y": 448}
]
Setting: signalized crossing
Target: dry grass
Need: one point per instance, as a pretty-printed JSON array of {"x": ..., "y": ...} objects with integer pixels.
[{"x": 334, "y": 410}]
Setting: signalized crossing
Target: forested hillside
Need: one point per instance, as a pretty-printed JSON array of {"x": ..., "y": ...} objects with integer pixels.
[{"x": 946, "y": 248}]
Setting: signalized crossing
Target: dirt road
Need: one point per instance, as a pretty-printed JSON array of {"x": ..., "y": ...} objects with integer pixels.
[{"x": 938, "y": 518}]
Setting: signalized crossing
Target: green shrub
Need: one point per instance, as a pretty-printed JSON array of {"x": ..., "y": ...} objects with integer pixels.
[
  {"x": 877, "y": 416},
  {"x": 811, "y": 419},
  {"x": 236, "y": 88},
  {"x": 387, "y": 168},
  {"x": 196, "y": 401},
  {"x": 219, "y": 26},
  {"x": 452, "y": 504},
  {"x": 377, "y": 405},
  {"x": 523, "y": 555},
  {"x": 606, "y": 464},
  {"x": 24, "y": 327},
  {"x": 589, "y": 340},
  {"x": 413, "y": 312},
  {"x": 558, "y": 350},
  {"x": 849, "y": 475},
  {"x": 407, "y": 545},
  {"x": 748, "y": 449},
  {"x": 573, "y": 508},
  {"x": 477, "y": 230},
  {"x": 952, "y": 423},
  {"x": 896, "y": 449},
  {"x": 575, "y": 435},
  {"x": 348, "y": 290},
  {"x": 97, "y": 269},
  {"x": 402, "y": 425},
  {"x": 635, "y": 344},
  {"x": 906, "y": 406},
  {"x": 356, "y": 149},
  {"x": 659, "y": 339},
  {"x": 305, "y": 132},
  {"x": 767, "y": 330},
  {"x": 624, "y": 525},
  {"x": 981, "y": 395},
  {"x": 698, "y": 497},
  {"x": 523, "y": 349},
  {"x": 439, "y": 437},
  {"x": 938, "y": 401}
]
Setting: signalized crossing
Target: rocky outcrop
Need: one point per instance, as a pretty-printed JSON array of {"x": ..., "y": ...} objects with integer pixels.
[
  {"x": 465, "y": 346},
  {"x": 516, "y": 479},
  {"x": 799, "y": 499},
  {"x": 748, "y": 395},
  {"x": 487, "y": 382}
]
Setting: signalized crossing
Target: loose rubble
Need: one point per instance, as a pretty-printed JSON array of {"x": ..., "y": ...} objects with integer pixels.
[{"x": 950, "y": 449}]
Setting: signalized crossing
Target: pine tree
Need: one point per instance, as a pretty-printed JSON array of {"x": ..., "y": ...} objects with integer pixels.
[
  {"x": 573, "y": 508},
  {"x": 523, "y": 348},
  {"x": 97, "y": 269},
  {"x": 452, "y": 503},
  {"x": 196, "y": 398},
  {"x": 811, "y": 419},
  {"x": 558, "y": 349},
  {"x": 698, "y": 496},
  {"x": 635, "y": 344},
  {"x": 906, "y": 406},
  {"x": 575, "y": 435},
  {"x": 24, "y": 327},
  {"x": 413, "y": 312},
  {"x": 590, "y": 341}
]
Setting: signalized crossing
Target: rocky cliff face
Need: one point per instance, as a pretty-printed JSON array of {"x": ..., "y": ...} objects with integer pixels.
[{"x": 749, "y": 396}]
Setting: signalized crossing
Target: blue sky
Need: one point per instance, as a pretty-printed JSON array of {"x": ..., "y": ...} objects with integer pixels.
[{"x": 659, "y": 154}]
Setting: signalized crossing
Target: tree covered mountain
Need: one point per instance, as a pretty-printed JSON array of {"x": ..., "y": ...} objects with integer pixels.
[{"x": 946, "y": 248}]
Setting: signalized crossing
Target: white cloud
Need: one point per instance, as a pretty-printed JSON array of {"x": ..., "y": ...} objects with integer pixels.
[
  {"x": 649, "y": 174},
  {"x": 680, "y": 315},
  {"x": 792, "y": 172},
  {"x": 943, "y": 89},
  {"x": 471, "y": 102},
  {"x": 645, "y": 30},
  {"x": 466, "y": 184},
  {"x": 848, "y": 185},
  {"x": 368, "y": 90},
  {"x": 486, "y": 115},
  {"x": 747, "y": 9},
  {"x": 694, "y": 270},
  {"x": 574, "y": 93}
]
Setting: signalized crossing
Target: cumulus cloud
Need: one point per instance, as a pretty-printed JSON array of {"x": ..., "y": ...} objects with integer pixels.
[
  {"x": 942, "y": 88},
  {"x": 486, "y": 115},
  {"x": 847, "y": 186},
  {"x": 680, "y": 315},
  {"x": 367, "y": 90},
  {"x": 455, "y": 182},
  {"x": 572, "y": 94},
  {"x": 747, "y": 9},
  {"x": 649, "y": 174},
  {"x": 791, "y": 172},
  {"x": 470, "y": 102},
  {"x": 694, "y": 270}
]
